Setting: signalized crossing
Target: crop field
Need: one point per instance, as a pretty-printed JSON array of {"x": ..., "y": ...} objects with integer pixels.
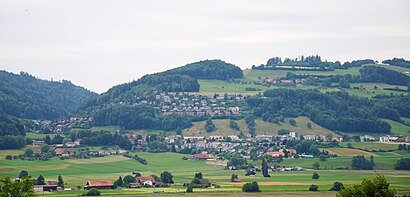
[
  {"x": 262, "y": 127},
  {"x": 78, "y": 171},
  {"x": 348, "y": 152},
  {"x": 371, "y": 145}
]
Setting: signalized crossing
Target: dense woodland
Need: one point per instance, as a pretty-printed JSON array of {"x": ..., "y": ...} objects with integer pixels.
[
  {"x": 398, "y": 62},
  {"x": 337, "y": 111},
  {"x": 25, "y": 96}
]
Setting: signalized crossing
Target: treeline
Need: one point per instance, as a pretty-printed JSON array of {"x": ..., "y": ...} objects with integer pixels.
[
  {"x": 25, "y": 96},
  {"x": 209, "y": 69},
  {"x": 383, "y": 75},
  {"x": 103, "y": 138},
  {"x": 139, "y": 117},
  {"x": 310, "y": 61},
  {"x": 398, "y": 62},
  {"x": 336, "y": 111}
]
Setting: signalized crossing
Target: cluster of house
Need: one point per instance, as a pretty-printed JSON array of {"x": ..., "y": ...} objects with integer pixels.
[
  {"x": 386, "y": 138},
  {"x": 49, "y": 187},
  {"x": 197, "y": 105},
  {"x": 64, "y": 124},
  {"x": 283, "y": 82}
]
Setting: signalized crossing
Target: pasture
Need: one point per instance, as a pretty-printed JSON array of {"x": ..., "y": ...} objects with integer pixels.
[{"x": 262, "y": 127}]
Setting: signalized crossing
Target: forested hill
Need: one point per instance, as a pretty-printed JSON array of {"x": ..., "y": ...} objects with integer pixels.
[
  {"x": 25, "y": 96},
  {"x": 209, "y": 69},
  {"x": 181, "y": 79}
]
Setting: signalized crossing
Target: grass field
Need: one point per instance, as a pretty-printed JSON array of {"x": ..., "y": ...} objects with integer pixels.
[
  {"x": 371, "y": 145},
  {"x": 348, "y": 152},
  {"x": 77, "y": 172},
  {"x": 262, "y": 127},
  {"x": 398, "y": 128}
]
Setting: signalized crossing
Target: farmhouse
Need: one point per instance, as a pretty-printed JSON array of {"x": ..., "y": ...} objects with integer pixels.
[
  {"x": 146, "y": 180},
  {"x": 102, "y": 184},
  {"x": 275, "y": 154},
  {"x": 204, "y": 156}
]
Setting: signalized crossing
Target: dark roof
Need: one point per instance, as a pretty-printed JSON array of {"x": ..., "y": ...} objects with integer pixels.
[{"x": 203, "y": 181}]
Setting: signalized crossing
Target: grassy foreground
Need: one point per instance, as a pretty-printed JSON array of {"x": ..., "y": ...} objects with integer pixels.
[{"x": 77, "y": 172}]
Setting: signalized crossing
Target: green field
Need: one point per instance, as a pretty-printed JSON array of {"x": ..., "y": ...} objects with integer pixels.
[
  {"x": 371, "y": 145},
  {"x": 262, "y": 127},
  {"x": 398, "y": 128},
  {"x": 77, "y": 172}
]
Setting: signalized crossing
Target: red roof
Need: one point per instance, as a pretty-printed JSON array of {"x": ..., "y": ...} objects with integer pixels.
[
  {"x": 286, "y": 81},
  {"x": 60, "y": 151},
  {"x": 102, "y": 183},
  {"x": 204, "y": 156},
  {"x": 145, "y": 178}
]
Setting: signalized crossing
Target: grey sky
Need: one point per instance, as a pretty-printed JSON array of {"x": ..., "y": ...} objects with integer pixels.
[{"x": 99, "y": 43}]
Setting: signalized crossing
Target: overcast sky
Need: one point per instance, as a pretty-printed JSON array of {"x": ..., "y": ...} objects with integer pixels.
[{"x": 97, "y": 44}]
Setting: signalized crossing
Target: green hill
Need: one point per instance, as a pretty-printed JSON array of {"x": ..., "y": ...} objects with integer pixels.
[{"x": 26, "y": 96}]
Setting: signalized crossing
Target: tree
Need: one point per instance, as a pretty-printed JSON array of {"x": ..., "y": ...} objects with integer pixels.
[
  {"x": 47, "y": 140},
  {"x": 45, "y": 148},
  {"x": 313, "y": 187},
  {"x": 40, "y": 180},
  {"x": 292, "y": 122},
  {"x": 309, "y": 125},
  {"x": 93, "y": 192},
  {"x": 118, "y": 182},
  {"x": 60, "y": 181},
  {"x": 337, "y": 186},
  {"x": 209, "y": 126},
  {"x": 315, "y": 176},
  {"x": 198, "y": 175},
  {"x": 402, "y": 164},
  {"x": 23, "y": 174},
  {"x": 361, "y": 163},
  {"x": 251, "y": 187},
  {"x": 24, "y": 187},
  {"x": 166, "y": 177},
  {"x": 378, "y": 186},
  {"x": 9, "y": 157},
  {"x": 234, "y": 125},
  {"x": 316, "y": 166},
  {"x": 178, "y": 131},
  {"x": 234, "y": 177},
  {"x": 28, "y": 152},
  {"x": 265, "y": 168},
  {"x": 189, "y": 188},
  {"x": 128, "y": 179}
]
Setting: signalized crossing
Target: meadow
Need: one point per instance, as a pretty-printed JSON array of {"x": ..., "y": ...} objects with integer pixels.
[{"x": 262, "y": 127}]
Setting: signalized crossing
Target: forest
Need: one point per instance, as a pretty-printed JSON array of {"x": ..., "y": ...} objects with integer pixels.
[
  {"x": 398, "y": 62},
  {"x": 25, "y": 96},
  {"x": 337, "y": 111}
]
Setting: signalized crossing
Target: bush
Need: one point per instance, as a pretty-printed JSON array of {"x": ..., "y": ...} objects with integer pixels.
[
  {"x": 251, "y": 187},
  {"x": 92, "y": 192},
  {"x": 337, "y": 186},
  {"x": 313, "y": 188},
  {"x": 9, "y": 157},
  {"x": 315, "y": 175},
  {"x": 189, "y": 189}
]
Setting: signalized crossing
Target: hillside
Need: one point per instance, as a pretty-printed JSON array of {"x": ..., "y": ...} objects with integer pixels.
[
  {"x": 121, "y": 104},
  {"x": 26, "y": 96},
  {"x": 262, "y": 127}
]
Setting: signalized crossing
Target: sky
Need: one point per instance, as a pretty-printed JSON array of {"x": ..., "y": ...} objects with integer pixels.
[{"x": 99, "y": 43}]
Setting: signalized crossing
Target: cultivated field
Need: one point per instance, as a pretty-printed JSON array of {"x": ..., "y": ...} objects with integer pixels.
[{"x": 262, "y": 127}]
